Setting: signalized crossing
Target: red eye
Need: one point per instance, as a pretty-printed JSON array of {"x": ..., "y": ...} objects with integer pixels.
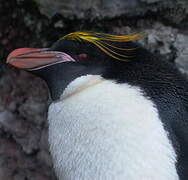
[{"x": 81, "y": 57}]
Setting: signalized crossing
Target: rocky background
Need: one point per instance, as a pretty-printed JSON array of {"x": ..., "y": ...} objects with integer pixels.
[{"x": 38, "y": 23}]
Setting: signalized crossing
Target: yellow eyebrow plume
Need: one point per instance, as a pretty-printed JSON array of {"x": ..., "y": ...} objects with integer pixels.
[{"x": 101, "y": 40}]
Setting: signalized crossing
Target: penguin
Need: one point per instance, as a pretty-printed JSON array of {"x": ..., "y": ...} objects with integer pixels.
[{"x": 118, "y": 111}]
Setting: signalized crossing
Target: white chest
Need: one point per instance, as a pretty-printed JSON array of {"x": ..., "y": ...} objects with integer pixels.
[{"x": 109, "y": 132}]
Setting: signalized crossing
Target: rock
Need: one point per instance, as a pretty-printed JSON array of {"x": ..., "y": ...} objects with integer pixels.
[
  {"x": 175, "y": 11},
  {"x": 5, "y": 174},
  {"x": 24, "y": 147},
  {"x": 181, "y": 45},
  {"x": 160, "y": 39},
  {"x": 12, "y": 124},
  {"x": 169, "y": 42}
]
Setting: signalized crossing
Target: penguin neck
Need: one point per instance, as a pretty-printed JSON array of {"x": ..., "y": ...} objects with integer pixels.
[
  {"x": 58, "y": 77},
  {"x": 80, "y": 85}
]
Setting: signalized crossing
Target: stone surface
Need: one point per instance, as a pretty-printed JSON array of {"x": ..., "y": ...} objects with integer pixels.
[
  {"x": 181, "y": 45},
  {"x": 24, "y": 148},
  {"x": 175, "y": 11},
  {"x": 170, "y": 43}
]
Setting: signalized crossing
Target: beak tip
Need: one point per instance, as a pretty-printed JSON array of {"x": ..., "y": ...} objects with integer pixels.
[{"x": 11, "y": 58}]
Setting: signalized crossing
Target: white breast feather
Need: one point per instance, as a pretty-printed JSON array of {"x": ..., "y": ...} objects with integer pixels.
[{"x": 109, "y": 132}]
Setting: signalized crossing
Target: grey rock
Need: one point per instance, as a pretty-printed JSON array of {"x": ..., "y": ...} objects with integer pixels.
[
  {"x": 12, "y": 124},
  {"x": 23, "y": 128},
  {"x": 181, "y": 45},
  {"x": 88, "y": 9},
  {"x": 175, "y": 10},
  {"x": 29, "y": 142},
  {"x": 31, "y": 107},
  {"x": 5, "y": 174},
  {"x": 170, "y": 43},
  {"x": 160, "y": 39},
  {"x": 151, "y": 1},
  {"x": 44, "y": 157}
]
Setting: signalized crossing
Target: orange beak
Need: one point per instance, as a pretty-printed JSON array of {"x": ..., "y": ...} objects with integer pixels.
[{"x": 33, "y": 58}]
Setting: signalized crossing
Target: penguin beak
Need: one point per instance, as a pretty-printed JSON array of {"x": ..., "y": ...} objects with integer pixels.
[{"x": 33, "y": 58}]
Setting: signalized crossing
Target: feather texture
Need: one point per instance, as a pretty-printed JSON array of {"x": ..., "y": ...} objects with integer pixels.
[{"x": 103, "y": 42}]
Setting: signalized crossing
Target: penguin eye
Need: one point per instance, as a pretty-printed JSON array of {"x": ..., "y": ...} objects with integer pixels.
[{"x": 81, "y": 57}]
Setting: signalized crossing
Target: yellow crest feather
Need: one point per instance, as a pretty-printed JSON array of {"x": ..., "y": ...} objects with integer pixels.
[{"x": 101, "y": 40}]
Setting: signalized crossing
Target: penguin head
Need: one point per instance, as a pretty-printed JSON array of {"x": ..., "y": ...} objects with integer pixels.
[{"x": 75, "y": 55}]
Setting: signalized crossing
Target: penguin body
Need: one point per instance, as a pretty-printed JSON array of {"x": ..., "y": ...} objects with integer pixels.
[
  {"x": 113, "y": 119},
  {"x": 108, "y": 131}
]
